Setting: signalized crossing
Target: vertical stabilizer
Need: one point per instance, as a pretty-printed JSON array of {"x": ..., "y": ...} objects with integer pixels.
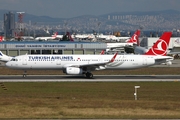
[
  {"x": 161, "y": 46},
  {"x": 135, "y": 37}
]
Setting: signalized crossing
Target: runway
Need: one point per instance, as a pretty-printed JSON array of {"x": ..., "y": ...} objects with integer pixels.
[{"x": 97, "y": 78}]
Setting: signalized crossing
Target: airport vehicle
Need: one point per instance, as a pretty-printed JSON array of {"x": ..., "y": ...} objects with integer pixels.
[{"x": 84, "y": 64}]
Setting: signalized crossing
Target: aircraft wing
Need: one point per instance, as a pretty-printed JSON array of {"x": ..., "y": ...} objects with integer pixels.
[
  {"x": 98, "y": 65},
  {"x": 91, "y": 67},
  {"x": 111, "y": 48},
  {"x": 163, "y": 59},
  {"x": 174, "y": 53}
]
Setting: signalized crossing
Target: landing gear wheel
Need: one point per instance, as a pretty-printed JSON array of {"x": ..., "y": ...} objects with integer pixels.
[
  {"x": 25, "y": 74},
  {"x": 89, "y": 75}
]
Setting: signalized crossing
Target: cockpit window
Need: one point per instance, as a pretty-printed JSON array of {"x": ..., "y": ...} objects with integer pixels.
[{"x": 14, "y": 59}]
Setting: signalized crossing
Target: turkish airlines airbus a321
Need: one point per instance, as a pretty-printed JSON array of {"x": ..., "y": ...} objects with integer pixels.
[
  {"x": 133, "y": 40},
  {"x": 84, "y": 64}
]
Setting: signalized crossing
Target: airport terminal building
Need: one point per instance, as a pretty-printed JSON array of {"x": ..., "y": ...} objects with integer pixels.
[{"x": 14, "y": 48}]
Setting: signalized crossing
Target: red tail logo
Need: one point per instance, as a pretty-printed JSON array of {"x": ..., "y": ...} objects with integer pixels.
[
  {"x": 161, "y": 46},
  {"x": 135, "y": 37}
]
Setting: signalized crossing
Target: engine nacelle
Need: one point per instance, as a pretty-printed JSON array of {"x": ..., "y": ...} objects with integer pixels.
[
  {"x": 140, "y": 50},
  {"x": 73, "y": 71},
  {"x": 168, "y": 63}
]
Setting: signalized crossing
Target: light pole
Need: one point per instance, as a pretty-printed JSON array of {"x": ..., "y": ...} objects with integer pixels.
[
  {"x": 34, "y": 29},
  {"x": 65, "y": 25},
  {"x": 135, "y": 94},
  {"x": 99, "y": 23}
]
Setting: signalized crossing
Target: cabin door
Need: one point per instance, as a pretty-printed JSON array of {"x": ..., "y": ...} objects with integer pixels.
[
  {"x": 144, "y": 61},
  {"x": 58, "y": 62},
  {"x": 24, "y": 61}
]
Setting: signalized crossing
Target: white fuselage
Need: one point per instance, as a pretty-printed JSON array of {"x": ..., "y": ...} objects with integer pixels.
[
  {"x": 118, "y": 45},
  {"x": 64, "y": 61}
]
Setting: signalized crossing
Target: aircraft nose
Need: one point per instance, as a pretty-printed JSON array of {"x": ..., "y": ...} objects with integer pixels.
[{"x": 8, "y": 64}]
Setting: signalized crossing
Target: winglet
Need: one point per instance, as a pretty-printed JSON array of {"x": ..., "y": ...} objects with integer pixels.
[
  {"x": 102, "y": 52},
  {"x": 114, "y": 57},
  {"x": 161, "y": 46}
]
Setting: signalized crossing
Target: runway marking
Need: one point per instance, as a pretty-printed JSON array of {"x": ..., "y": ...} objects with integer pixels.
[{"x": 97, "y": 78}]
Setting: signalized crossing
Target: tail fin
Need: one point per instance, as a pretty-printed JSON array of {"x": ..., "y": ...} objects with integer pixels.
[
  {"x": 55, "y": 34},
  {"x": 135, "y": 37},
  {"x": 1, "y": 38},
  {"x": 69, "y": 36},
  {"x": 161, "y": 46}
]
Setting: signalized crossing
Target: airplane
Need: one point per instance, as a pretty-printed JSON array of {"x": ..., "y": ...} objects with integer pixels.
[
  {"x": 1, "y": 38},
  {"x": 59, "y": 36},
  {"x": 107, "y": 37},
  {"x": 47, "y": 38},
  {"x": 81, "y": 37},
  {"x": 84, "y": 64},
  {"x": 118, "y": 39},
  {"x": 17, "y": 36},
  {"x": 129, "y": 42}
]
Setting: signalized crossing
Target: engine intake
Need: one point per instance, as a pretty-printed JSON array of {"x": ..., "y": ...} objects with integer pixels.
[
  {"x": 168, "y": 63},
  {"x": 73, "y": 71}
]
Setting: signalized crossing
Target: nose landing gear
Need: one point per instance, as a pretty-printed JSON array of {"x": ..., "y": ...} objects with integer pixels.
[{"x": 25, "y": 74}]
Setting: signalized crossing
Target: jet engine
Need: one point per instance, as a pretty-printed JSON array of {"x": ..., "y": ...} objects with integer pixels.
[
  {"x": 73, "y": 71},
  {"x": 168, "y": 63}
]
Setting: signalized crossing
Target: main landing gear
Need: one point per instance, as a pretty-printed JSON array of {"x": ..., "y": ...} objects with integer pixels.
[
  {"x": 89, "y": 75},
  {"x": 25, "y": 74}
]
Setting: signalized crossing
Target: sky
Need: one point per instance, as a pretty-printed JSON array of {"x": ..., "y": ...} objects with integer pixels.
[{"x": 74, "y": 8}]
